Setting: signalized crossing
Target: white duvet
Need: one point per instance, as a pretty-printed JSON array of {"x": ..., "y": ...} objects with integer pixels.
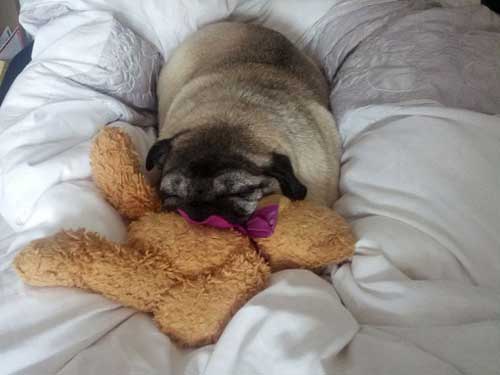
[{"x": 416, "y": 90}]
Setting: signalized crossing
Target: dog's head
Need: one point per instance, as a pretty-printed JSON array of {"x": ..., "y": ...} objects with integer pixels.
[{"x": 220, "y": 170}]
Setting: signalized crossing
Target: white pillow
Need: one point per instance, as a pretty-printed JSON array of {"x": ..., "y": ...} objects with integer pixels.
[{"x": 163, "y": 23}]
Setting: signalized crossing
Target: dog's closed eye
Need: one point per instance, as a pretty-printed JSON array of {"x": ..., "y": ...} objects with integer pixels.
[
  {"x": 174, "y": 185},
  {"x": 238, "y": 183},
  {"x": 245, "y": 192}
]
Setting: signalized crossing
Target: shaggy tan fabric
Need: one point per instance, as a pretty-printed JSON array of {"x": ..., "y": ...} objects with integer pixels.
[
  {"x": 117, "y": 173},
  {"x": 307, "y": 236},
  {"x": 191, "y": 310}
]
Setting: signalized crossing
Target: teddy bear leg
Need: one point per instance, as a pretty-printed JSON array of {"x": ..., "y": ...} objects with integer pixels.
[
  {"x": 88, "y": 261},
  {"x": 195, "y": 312}
]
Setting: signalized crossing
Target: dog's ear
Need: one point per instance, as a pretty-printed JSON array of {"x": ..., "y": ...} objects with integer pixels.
[
  {"x": 158, "y": 153},
  {"x": 281, "y": 169}
]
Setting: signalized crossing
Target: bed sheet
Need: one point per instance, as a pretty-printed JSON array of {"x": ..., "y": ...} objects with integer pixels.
[{"x": 419, "y": 184}]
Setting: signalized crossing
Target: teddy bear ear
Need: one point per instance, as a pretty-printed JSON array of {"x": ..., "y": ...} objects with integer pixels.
[{"x": 158, "y": 153}]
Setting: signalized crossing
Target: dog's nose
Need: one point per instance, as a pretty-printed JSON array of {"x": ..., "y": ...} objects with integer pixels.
[
  {"x": 199, "y": 193},
  {"x": 197, "y": 211}
]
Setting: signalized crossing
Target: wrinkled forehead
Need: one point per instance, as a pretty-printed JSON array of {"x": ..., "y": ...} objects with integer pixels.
[{"x": 227, "y": 182}]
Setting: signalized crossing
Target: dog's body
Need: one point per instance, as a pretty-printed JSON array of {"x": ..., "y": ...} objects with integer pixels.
[{"x": 242, "y": 114}]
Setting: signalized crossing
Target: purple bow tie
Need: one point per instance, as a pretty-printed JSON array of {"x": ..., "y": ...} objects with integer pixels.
[{"x": 261, "y": 224}]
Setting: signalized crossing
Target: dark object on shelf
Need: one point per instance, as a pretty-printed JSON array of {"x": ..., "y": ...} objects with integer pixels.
[
  {"x": 16, "y": 66},
  {"x": 494, "y": 5}
]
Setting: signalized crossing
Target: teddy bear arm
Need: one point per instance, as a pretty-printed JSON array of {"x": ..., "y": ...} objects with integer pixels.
[
  {"x": 308, "y": 236},
  {"x": 116, "y": 171}
]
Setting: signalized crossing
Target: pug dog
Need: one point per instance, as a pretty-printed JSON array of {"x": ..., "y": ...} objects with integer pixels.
[{"x": 242, "y": 114}]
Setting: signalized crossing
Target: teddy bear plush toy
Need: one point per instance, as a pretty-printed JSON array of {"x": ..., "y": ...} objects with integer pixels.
[{"x": 192, "y": 277}]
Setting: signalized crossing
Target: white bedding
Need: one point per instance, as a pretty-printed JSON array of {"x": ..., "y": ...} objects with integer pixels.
[{"x": 420, "y": 184}]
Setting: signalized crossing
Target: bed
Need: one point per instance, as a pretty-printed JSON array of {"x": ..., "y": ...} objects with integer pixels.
[{"x": 416, "y": 95}]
